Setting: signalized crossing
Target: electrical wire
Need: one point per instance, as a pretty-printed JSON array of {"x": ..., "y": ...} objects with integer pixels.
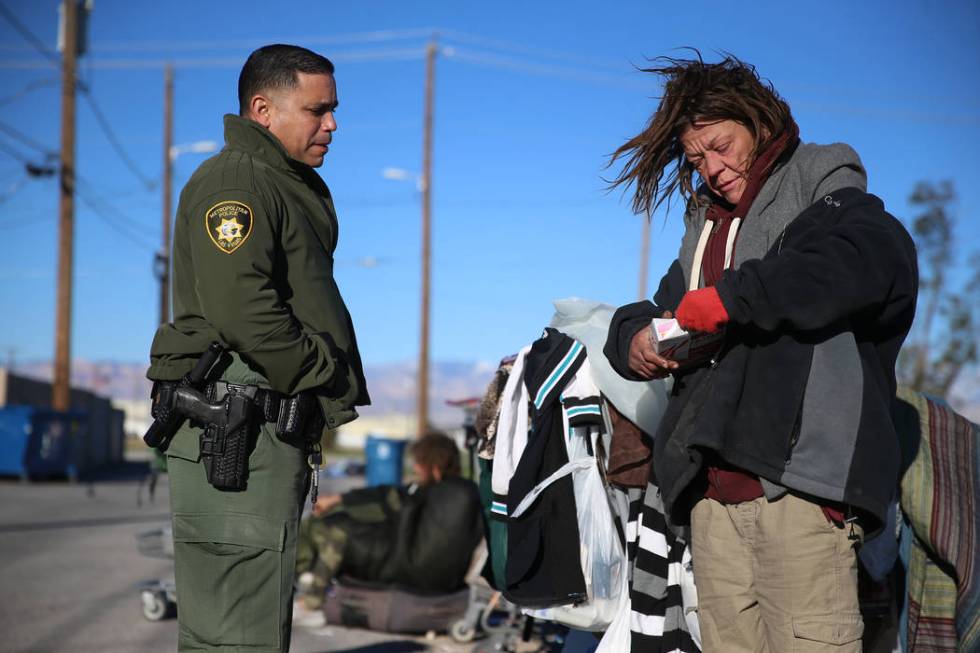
[
  {"x": 113, "y": 217},
  {"x": 133, "y": 63},
  {"x": 552, "y": 70},
  {"x": 13, "y": 153},
  {"x": 29, "y": 36},
  {"x": 33, "y": 86},
  {"x": 114, "y": 141},
  {"x": 375, "y": 36},
  {"x": 18, "y": 135},
  {"x": 86, "y": 93},
  {"x": 518, "y": 48}
]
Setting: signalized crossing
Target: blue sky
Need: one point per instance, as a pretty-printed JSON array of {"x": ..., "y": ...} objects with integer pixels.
[{"x": 531, "y": 98}]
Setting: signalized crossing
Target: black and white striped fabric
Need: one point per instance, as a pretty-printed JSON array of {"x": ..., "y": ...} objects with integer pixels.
[{"x": 657, "y": 565}]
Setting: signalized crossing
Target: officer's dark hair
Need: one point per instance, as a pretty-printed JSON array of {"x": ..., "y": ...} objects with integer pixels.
[
  {"x": 438, "y": 450},
  {"x": 275, "y": 67}
]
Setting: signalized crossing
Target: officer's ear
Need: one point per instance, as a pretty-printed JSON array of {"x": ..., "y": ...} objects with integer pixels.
[{"x": 260, "y": 110}]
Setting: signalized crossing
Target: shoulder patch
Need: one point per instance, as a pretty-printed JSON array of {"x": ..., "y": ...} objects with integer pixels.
[{"x": 229, "y": 224}]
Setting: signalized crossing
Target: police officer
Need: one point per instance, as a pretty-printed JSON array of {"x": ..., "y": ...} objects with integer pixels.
[{"x": 253, "y": 269}]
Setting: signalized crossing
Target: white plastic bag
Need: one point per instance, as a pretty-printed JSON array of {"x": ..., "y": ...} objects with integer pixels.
[
  {"x": 602, "y": 556},
  {"x": 617, "y": 638}
]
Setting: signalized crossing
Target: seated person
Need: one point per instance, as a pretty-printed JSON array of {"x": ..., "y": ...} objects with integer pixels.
[{"x": 419, "y": 537}]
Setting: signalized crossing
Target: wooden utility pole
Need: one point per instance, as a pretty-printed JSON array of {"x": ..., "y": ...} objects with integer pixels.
[
  {"x": 645, "y": 257},
  {"x": 61, "y": 388},
  {"x": 422, "y": 403},
  {"x": 163, "y": 257}
]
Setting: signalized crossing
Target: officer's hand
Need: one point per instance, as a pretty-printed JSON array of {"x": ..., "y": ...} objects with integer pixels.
[
  {"x": 326, "y": 503},
  {"x": 644, "y": 361}
]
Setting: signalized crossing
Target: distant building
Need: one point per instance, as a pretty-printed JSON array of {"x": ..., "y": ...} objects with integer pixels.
[
  {"x": 138, "y": 418},
  {"x": 102, "y": 440}
]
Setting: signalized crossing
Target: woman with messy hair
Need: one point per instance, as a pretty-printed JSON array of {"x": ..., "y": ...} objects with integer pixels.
[{"x": 778, "y": 452}]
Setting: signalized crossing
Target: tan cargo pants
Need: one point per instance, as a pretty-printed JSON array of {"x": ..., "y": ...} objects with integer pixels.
[{"x": 775, "y": 577}]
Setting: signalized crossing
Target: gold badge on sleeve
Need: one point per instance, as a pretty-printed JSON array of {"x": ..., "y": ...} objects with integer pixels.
[{"x": 229, "y": 224}]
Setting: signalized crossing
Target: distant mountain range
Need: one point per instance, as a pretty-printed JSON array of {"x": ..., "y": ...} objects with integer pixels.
[{"x": 392, "y": 386}]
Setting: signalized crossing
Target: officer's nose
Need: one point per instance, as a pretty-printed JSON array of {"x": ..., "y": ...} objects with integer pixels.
[{"x": 329, "y": 123}]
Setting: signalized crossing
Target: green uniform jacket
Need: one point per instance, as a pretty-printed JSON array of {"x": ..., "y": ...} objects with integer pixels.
[{"x": 253, "y": 268}]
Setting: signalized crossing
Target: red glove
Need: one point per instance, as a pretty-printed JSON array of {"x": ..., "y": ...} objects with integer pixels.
[{"x": 701, "y": 310}]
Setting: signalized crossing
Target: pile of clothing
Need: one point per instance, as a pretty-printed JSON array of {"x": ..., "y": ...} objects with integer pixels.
[{"x": 578, "y": 533}]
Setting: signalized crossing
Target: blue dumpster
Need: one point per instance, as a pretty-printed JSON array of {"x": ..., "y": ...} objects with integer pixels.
[
  {"x": 15, "y": 433},
  {"x": 38, "y": 442},
  {"x": 384, "y": 460}
]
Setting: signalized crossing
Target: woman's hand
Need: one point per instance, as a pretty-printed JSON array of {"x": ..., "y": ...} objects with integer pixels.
[{"x": 644, "y": 361}]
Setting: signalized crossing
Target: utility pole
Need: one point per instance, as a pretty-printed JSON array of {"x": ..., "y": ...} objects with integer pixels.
[
  {"x": 645, "y": 257},
  {"x": 163, "y": 257},
  {"x": 422, "y": 405},
  {"x": 61, "y": 388}
]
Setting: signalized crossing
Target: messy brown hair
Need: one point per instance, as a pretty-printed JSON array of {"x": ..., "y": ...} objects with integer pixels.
[
  {"x": 695, "y": 92},
  {"x": 438, "y": 450}
]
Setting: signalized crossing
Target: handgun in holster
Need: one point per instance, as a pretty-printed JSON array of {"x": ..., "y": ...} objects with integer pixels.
[
  {"x": 166, "y": 419},
  {"x": 230, "y": 424}
]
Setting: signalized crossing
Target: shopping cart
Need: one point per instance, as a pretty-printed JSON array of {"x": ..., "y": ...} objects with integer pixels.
[{"x": 158, "y": 597}]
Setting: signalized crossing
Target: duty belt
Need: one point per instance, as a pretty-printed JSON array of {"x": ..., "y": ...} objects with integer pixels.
[
  {"x": 298, "y": 418},
  {"x": 269, "y": 402}
]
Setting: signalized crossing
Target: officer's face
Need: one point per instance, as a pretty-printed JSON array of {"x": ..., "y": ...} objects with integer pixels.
[{"x": 302, "y": 117}]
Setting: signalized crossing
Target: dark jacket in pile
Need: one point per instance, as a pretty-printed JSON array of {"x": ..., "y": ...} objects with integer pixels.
[
  {"x": 544, "y": 566},
  {"x": 802, "y": 390}
]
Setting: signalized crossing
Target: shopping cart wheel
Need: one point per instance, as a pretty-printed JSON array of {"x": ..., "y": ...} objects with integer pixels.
[
  {"x": 462, "y": 631},
  {"x": 155, "y": 606}
]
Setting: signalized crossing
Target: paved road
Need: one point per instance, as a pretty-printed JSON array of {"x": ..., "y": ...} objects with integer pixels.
[{"x": 70, "y": 568}]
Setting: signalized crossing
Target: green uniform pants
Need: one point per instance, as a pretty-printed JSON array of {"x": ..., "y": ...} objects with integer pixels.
[{"x": 235, "y": 552}]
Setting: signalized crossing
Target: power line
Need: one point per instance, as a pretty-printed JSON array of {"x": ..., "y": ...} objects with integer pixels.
[
  {"x": 86, "y": 93},
  {"x": 113, "y": 218},
  {"x": 376, "y": 36},
  {"x": 135, "y": 63},
  {"x": 13, "y": 132},
  {"x": 29, "y": 36},
  {"x": 16, "y": 134},
  {"x": 13, "y": 153},
  {"x": 106, "y": 127},
  {"x": 114, "y": 140},
  {"x": 526, "y": 65},
  {"x": 101, "y": 208},
  {"x": 36, "y": 84},
  {"x": 518, "y": 48}
]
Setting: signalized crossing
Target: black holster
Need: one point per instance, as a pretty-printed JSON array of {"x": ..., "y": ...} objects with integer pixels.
[
  {"x": 229, "y": 426},
  {"x": 228, "y": 440}
]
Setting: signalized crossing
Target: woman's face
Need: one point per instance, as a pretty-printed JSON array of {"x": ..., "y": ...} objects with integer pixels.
[{"x": 721, "y": 152}]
